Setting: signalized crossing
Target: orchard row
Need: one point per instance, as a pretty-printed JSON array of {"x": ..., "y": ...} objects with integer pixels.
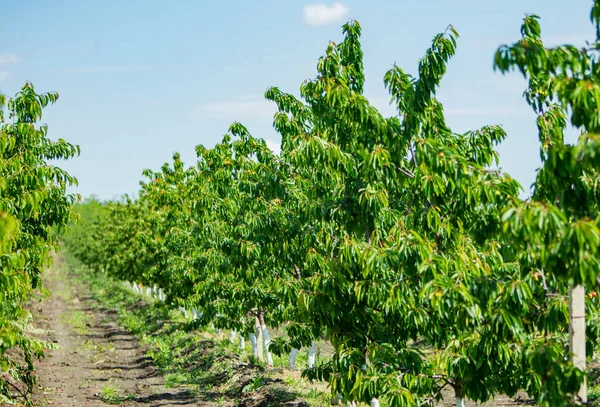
[
  {"x": 394, "y": 237},
  {"x": 34, "y": 209}
]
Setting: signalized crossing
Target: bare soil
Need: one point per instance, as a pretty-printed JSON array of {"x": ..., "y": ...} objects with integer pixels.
[{"x": 98, "y": 363}]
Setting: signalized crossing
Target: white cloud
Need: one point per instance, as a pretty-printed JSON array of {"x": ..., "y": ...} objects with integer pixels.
[
  {"x": 382, "y": 103},
  {"x": 482, "y": 111},
  {"x": 274, "y": 146},
  {"x": 109, "y": 68},
  {"x": 241, "y": 108},
  {"x": 9, "y": 59},
  {"x": 577, "y": 39},
  {"x": 574, "y": 39},
  {"x": 322, "y": 14},
  {"x": 384, "y": 107},
  {"x": 3, "y": 75}
]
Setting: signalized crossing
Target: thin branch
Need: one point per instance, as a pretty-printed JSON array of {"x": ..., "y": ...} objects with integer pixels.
[
  {"x": 15, "y": 387},
  {"x": 298, "y": 272},
  {"x": 414, "y": 157},
  {"x": 544, "y": 283},
  {"x": 434, "y": 397},
  {"x": 406, "y": 172},
  {"x": 444, "y": 378}
]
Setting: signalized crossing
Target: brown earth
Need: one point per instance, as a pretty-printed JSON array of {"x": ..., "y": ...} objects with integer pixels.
[
  {"x": 499, "y": 401},
  {"x": 98, "y": 363}
]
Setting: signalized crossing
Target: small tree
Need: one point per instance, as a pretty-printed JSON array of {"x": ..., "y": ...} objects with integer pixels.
[
  {"x": 559, "y": 226},
  {"x": 34, "y": 210},
  {"x": 405, "y": 216}
]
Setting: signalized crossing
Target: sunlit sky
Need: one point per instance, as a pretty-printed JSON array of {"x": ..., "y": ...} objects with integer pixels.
[{"x": 139, "y": 80}]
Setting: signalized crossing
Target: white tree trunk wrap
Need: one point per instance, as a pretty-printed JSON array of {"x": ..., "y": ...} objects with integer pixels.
[
  {"x": 374, "y": 402},
  {"x": 460, "y": 402},
  {"x": 266, "y": 343},
  {"x": 292, "y": 359},
  {"x": 254, "y": 347},
  {"x": 577, "y": 334},
  {"x": 242, "y": 343},
  {"x": 311, "y": 356},
  {"x": 232, "y": 335},
  {"x": 259, "y": 341}
]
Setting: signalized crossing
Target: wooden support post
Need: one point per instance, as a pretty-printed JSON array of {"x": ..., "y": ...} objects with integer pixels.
[{"x": 577, "y": 335}]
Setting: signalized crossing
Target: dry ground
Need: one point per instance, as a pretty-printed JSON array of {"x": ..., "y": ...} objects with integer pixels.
[{"x": 98, "y": 362}]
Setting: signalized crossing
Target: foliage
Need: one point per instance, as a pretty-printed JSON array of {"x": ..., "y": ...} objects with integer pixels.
[
  {"x": 558, "y": 229},
  {"x": 209, "y": 368},
  {"x": 34, "y": 209},
  {"x": 395, "y": 237}
]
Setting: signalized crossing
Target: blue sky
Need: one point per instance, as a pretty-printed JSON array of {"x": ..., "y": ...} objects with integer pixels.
[{"x": 139, "y": 80}]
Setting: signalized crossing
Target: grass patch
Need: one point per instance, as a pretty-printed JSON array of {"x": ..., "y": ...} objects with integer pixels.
[
  {"x": 78, "y": 320},
  {"x": 187, "y": 356},
  {"x": 111, "y": 394}
]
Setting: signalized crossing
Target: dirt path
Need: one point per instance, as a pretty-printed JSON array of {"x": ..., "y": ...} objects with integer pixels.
[{"x": 98, "y": 362}]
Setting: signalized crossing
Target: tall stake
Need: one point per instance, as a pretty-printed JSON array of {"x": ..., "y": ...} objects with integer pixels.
[
  {"x": 577, "y": 333},
  {"x": 259, "y": 340}
]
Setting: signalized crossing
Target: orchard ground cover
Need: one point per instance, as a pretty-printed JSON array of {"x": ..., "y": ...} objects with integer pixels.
[
  {"x": 395, "y": 239},
  {"x": 114, "y": 347},
  {"x": 385, "y": 234}
]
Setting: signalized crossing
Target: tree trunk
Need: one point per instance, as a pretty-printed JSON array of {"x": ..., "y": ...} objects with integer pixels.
[
  {"x": 577, "y": 335},
  {"x": 259, "y": 340},
  {"x": 267, "y": 342},
  {"x": 292, "y": 359},
  {"x": 254, "y": 347},
  {"x": 458, "y": 393},
  {"x": 311, "y": 356},
  {"x": 266, "y": 337}
]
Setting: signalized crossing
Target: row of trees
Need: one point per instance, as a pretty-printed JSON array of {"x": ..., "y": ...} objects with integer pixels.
[
  {"x": 34, "y": 209},
  {"x": 396, "y": 237}
]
